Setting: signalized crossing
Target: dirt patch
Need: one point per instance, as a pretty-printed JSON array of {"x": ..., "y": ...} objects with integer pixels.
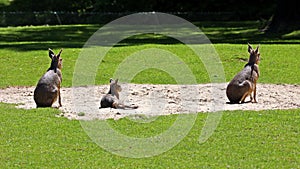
[{"x": 83, "y": 102}]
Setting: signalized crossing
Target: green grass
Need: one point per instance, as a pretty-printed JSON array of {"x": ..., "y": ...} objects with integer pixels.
[
  {"x": 36, "y": 138},
  {"x": 243, "y": 139},
  {"x": 279, "y": 64},
  {"x": 24, "y": 58},
  {"x": 4, "y": 2}
]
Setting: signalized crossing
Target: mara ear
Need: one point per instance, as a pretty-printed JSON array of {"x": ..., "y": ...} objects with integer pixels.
[
  {"x": 58, "y": 55},
  {"x": 51, "y": 53},
  {"x": 256, "y": 50},
  {"x": 116, "y": 81},
  {"x": 249, "y": 48},
  {"x": 110, "y": 80}
]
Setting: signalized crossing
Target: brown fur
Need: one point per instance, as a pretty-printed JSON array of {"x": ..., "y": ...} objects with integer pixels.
[
  {"x": 111, "y": 99},
  {"x": 244, "y": 83},
  {"x": 48, "y": 87}
]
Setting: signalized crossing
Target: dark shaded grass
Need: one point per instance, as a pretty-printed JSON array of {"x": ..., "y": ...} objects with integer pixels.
[{"x": 74, "y": 36}]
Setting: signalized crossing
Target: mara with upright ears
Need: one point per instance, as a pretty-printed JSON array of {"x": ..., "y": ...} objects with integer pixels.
[
  {"x": 244, "y": 83},
  {"x": 48, "y": 88},
  {"x": 111, "y": 99}
]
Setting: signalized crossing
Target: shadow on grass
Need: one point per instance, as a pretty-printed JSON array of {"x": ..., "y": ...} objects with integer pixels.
[
  {"x": 41, "y": 37},
  {"x": 74, "y": 36}
]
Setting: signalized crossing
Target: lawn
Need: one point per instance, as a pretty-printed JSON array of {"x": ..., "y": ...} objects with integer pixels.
[
  {"x": 4, "y": 2},
  {"x": 244, "y": 139},
  {"x": 24, "y": 53},
  {"x": 37, "y": 139}
]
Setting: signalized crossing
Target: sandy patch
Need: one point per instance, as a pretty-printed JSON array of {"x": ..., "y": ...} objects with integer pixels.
[{"x": 83, "y": 102}]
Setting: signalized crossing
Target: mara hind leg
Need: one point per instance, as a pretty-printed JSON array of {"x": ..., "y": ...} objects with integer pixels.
[
  {"x": 246, "y": 90},
  {"x": 122, "y": 106},
  {"x": 107, "y": 101},
  {"x": 53, "y": 96},
  {"x": 245, "y": 96},
  {"x": 43, "y": 98}
]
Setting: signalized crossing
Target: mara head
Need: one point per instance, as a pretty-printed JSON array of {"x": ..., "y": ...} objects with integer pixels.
[
  {"x": 114, "y": 85},
  {"x": 56, "y": 60},
  {"x": 254, "y": 54}
]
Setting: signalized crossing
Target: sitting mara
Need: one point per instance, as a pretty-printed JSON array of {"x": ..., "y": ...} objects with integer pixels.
[
  {"x": 111, "y": 99},
  {"x": 244, "y": 83},
  {"x": 48, "y": 88}
]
